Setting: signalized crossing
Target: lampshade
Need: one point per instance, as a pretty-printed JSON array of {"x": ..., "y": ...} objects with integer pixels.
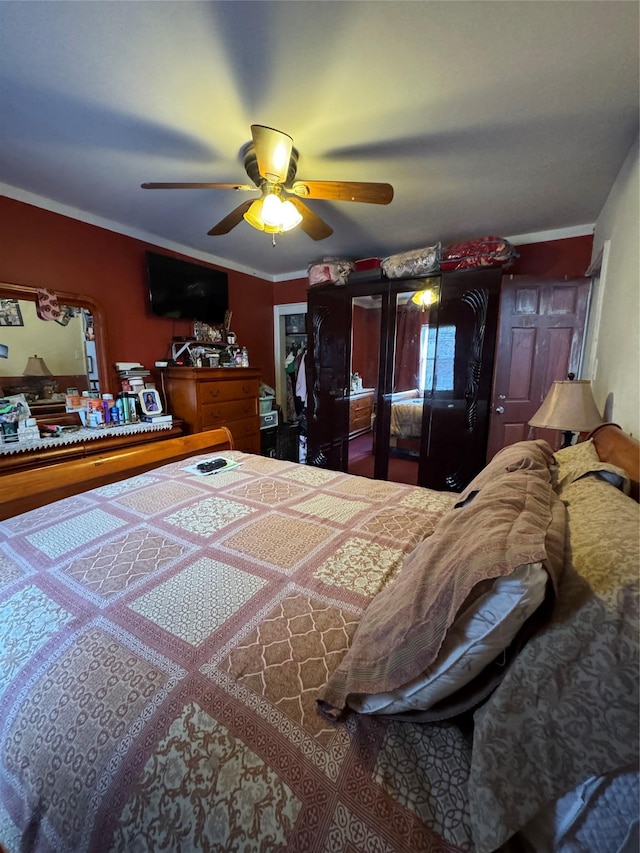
[
  {"x": 289, "y": 216},
  {"x": 569, "y": 406},
  {"x": 254, "y": 217},
  {"x": 272, "y": 215},
  {"x": 36, "y": 367}
]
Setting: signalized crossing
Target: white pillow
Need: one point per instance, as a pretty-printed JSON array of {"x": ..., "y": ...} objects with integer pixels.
[{"x": 479, "y": 634}]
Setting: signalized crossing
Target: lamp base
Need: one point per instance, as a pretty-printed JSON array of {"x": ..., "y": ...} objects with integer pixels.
[{"x": 567, "y": 439}]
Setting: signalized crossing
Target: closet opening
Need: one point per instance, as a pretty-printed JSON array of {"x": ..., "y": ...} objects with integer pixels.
[{"x": 290, "y": 348}]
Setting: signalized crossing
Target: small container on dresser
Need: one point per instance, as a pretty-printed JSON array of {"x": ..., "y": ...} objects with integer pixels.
[{"x": 206, "y": 398}]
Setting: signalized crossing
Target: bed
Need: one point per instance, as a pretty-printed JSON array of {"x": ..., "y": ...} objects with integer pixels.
[
  {"x": 168, "y": 642},
  {"x": 406, "y": 421}
]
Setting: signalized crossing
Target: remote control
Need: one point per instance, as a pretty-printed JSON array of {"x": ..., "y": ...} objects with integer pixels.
[{"x": 211, "y": 465}]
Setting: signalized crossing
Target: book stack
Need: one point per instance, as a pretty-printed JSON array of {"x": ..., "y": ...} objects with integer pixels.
[
  {"x": 132, "y": 375},
  {"x": 157, "y": 419}
]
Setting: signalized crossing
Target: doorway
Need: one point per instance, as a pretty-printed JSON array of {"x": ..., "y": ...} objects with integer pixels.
[{"x": 289, "y": 351}]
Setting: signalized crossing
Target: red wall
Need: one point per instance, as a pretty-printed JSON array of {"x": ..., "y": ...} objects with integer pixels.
[
  {"x": 567, "y": 258},
  {"x": 44, "y": 249},
  {"x": 286, "y": 292},
  {"x": 365, "y": 344}
]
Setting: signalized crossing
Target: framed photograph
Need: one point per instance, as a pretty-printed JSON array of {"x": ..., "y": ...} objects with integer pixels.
[
  {"x": 150, "y": 402},
  {"x": 294, "y": 324},
  {"x": 10, "y": 314},
  {"x": 66, "y": 313}
]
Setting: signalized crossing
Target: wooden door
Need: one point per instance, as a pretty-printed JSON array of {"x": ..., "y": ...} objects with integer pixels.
[
  {"x": 327, "y": 370},
  {"x": 540, "y": 338}
]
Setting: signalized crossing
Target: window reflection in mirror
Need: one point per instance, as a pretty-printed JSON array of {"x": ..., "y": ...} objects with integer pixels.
[
  {"x": 44, "y": 359},
  {"x": 410, "y": 376}
]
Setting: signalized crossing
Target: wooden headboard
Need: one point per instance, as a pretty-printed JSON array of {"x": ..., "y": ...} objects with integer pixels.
[
  {"x": 26, "y": 490},
  {"x": 615, "y": 446}
]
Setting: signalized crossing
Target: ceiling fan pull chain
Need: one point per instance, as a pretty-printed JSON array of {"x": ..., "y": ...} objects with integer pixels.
[{"x": 273, "y": 240}]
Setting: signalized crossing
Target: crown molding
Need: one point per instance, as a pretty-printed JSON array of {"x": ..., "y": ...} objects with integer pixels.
[{"x": 101, "y": 222}]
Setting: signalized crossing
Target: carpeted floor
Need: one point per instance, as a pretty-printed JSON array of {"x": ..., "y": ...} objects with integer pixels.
[{"x": 401, "y": 469}]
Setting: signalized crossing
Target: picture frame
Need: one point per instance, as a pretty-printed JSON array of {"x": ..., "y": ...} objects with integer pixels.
[
  {"x": 66, "y": 313},
  {"x": 294, "y": 324},
  {"x": 10, "y": 313},
  {"x": 150, "y": 402}
]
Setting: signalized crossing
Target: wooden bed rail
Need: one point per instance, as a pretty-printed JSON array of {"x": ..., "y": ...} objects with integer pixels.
[
  {"x": 26, "y": 490},
  {"x": 617, "y": 447}
]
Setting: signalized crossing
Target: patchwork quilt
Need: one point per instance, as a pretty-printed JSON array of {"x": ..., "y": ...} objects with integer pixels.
[{"x": 162, "y": 644}]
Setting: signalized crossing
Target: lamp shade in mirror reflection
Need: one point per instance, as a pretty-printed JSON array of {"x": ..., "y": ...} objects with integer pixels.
[
  {"x": 37, "y": 368},
  {"x": 569, "y": 406}
]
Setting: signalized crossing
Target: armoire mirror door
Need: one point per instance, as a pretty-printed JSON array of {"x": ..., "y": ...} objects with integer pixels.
[
  {"x": 366, "y": 325},
  {"x": 430, "y": 415},
  {"x": 457, "y": 405}
]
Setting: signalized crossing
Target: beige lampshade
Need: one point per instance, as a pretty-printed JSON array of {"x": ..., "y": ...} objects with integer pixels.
[
  {"x": 36, "y": 367},
  {"x": 569, "y": 405}
]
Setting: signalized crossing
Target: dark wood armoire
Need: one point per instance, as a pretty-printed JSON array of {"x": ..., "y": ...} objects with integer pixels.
[{"x": 428, "y": 368}]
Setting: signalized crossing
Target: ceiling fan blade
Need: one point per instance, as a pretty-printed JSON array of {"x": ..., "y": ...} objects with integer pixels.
[
  {"x": 311, "y": 224},
  {"x": 273, "y": 152},
  {"x": 191, "y": 186},
  {"x": 231, "y": 220},
  {"x": 370, "y": 193}
]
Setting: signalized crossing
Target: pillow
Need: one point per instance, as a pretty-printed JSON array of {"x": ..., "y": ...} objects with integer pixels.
[
  {"x": 413, "y": 263},
  {"x": 480, "y": 633},
  {"x": 515, "y": 524},
  {"x": 582, "y": 459},
  {"x": 567, "y": 708},
  {"x": 524, "y": 455},
  {"x": 481, "y": 252}
]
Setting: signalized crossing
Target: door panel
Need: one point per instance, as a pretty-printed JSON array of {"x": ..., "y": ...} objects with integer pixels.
[
  {"x": 456, "y": 417},
  {"x": 541, "y": 331},
  {"x": 328, "y": 328},
  {"x": 523, "y": 345}
]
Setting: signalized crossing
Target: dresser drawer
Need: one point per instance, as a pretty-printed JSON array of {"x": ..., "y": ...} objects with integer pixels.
[
  {"x": 246, "y": 434},
  {"x": 223, "y": 414},
  {"x": 233, "y": 389},
  {"x": 360, "y": 404},
  {"x": 248, "y": 444},
  {"x": 361, "y": 420}
]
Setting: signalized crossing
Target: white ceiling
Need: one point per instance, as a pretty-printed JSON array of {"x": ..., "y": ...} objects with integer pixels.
[{"x": 487, "y": 117}]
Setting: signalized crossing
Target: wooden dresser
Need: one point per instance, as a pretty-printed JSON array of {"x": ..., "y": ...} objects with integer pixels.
[
  {"x": 98, "y": 445},
  {"x": 210, "y": 397},
  {"x": 360, "y": 411}
]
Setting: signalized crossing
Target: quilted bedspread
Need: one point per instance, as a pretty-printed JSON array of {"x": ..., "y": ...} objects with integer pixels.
[
  {"x": 406, "y": 418},
  {"x": 162, "y": 644}
]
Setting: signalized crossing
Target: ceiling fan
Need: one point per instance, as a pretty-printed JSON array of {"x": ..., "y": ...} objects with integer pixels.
[{"x": 271, "y": 162}]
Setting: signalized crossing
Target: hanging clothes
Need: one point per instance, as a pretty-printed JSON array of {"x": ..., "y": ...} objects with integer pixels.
[{"x": 301, "y": 381}]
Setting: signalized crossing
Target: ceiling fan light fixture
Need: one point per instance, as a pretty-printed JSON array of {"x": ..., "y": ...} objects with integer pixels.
[
  {"x": 272, "y": 209},
  {"x": 271, "y": 163},
  {"x": 254, "y": 215},
  {"x": 290, "y": 216}
]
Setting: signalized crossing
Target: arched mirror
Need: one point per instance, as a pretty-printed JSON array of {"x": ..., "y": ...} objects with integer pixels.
[{"x": 46, "y": 359}]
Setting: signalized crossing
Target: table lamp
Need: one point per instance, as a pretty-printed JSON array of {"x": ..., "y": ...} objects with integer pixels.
[
  {"x": 569, "y": 406},
  {"x": 36, "y": 367}
]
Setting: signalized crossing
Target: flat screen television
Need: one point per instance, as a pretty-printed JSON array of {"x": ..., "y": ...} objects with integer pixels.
[{"x": 186, "y": 291}]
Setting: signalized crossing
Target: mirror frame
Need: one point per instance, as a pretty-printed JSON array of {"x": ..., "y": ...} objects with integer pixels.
[{"x": 75, "y": 300}]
